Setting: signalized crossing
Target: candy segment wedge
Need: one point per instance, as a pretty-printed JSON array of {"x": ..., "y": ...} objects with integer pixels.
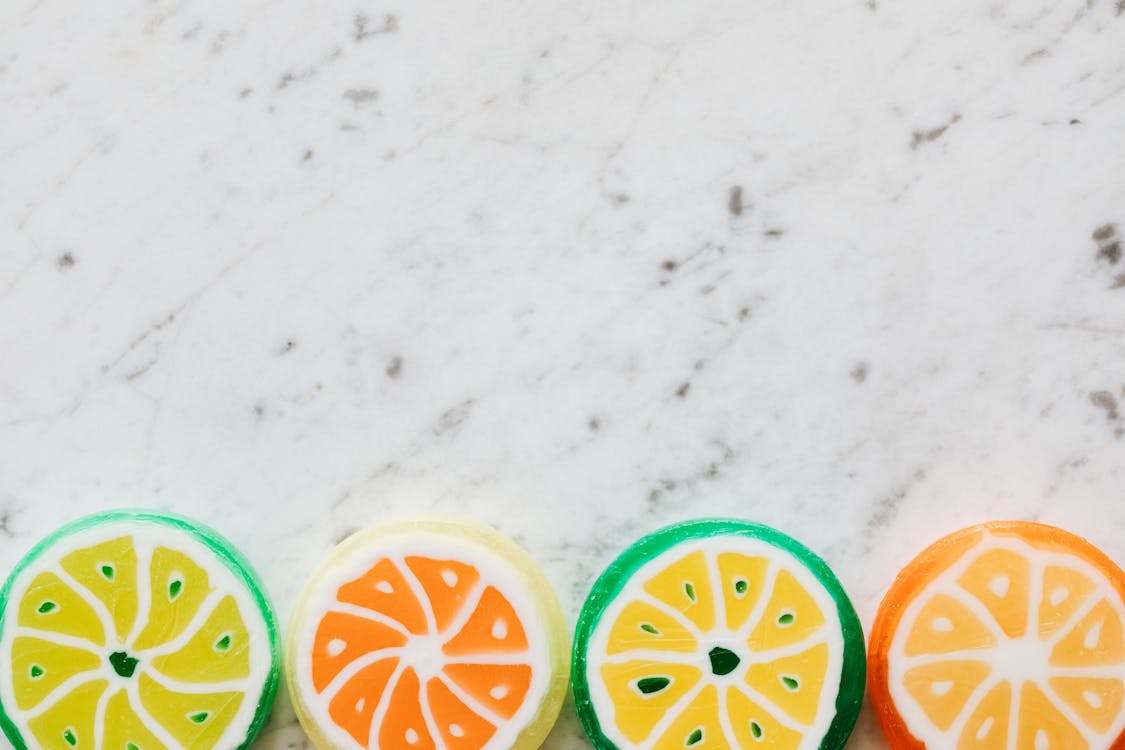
[
  {"x": 718, "y": 634},
  {"x": 427, "y": 634},
  {"x": 135, "y": 631},
  {"x": 1004, "y": 635}
]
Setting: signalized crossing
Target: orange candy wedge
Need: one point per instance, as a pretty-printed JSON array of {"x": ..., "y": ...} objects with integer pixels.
[
  {"x": 430, "y": 634},
  {"x": 1003, "y": 636}
]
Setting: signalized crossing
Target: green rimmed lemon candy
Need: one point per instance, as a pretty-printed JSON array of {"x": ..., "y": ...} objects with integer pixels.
[
  {"x": 718, "y": 635},
  {"x": 135, "y": 631}
]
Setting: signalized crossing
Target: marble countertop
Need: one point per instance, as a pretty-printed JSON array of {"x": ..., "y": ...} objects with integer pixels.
[{"x": 578, "y": 270}]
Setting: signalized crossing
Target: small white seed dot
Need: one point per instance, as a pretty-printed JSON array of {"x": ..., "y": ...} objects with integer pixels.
[
  {"x": 942, "y": 625},
  {"x": 449, "y": 577},
  {"x": 384, "y": 587},
  {"x": 1093, "y": 636},
  {"x": 411, "y": 736},
  {"x": 499, "y": 692},
  {"x": 456, "y": 730},
  {"x": 1000, "y": 585},
  {"x": 499, "y": 630},
  {"x": 336, "y": 646}
]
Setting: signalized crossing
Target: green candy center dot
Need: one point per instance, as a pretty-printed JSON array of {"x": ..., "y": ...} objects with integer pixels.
[
  {"x": 123, "y": 664},
  {"x": 723, "y": 660},
  {"x": 108, "y": 572},
  {"x": 694, "y": 738}
]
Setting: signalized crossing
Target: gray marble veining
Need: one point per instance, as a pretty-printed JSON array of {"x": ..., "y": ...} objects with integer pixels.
[{"x": 851, "y": 268}]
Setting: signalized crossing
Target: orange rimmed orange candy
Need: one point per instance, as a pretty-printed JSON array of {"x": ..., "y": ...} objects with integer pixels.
[
  {"x": 1003, "y": 636},
  {"x": 427, "y": 634}
]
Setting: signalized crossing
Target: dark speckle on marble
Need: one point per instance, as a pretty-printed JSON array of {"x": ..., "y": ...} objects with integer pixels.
[
  {"x": 362, "y": 29},
  {"x": 359, "y": 97},
  {"x": 774, "y": 234},
  {"x": 1109, "y": 245},
  {"x": 454, "y": 417},
  {"x": 669, "y": 265},
  {"x": 344, "y": 534},
  {"x": 594, "y": 424},
  {"x": 66, "y": 261},
  {"x": 734, "y": 201},
  {"x": 682, "y": 391},
  {"x": 859, "y": 372},
  {"x": 888, "y": 507},
  {"x": 1104, "y": 232},
  {"x": 308, "y": 155},
  {"x": 918, "y": 137},
  {"x": 288, "y": 346},
  {"x": 1110, "y": 252},
  {"x": 394, "y": 367},
  {"x": 1105, "y": 401}
]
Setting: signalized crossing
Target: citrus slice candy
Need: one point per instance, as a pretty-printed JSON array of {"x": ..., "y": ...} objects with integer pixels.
[
  {"x": 718, "y": 635},
  {"x": 135, "y": 631},
  {"x": 1003, "y": 636},
  {"x": 427, "y": 634}
]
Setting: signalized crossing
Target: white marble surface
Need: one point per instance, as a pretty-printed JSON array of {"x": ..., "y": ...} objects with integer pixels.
[{"x": 578, "y": 269}]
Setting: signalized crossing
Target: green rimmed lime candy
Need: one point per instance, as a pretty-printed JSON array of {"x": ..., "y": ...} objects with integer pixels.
[
  {"x": 718, "y": 634},
  {"x": 134, "y": 630}
]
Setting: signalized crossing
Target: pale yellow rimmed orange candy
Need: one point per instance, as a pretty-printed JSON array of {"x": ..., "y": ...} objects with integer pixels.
[
  {"x": 427, "y": 634},
  {"x": 1003, "y": 636}
]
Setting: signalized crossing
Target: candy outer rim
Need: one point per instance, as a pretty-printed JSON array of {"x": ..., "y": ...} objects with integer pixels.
[
  {"x": 931, "y": 563},
  {"x": 524, "y": 568},
  {"x": 613, "y": 579},
  {"x": 222, "y": 548}
]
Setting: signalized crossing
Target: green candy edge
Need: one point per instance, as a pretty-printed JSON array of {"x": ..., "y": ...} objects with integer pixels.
[
  {"x": 853, "y": 675},
  {"x": 223, "y": 549}
]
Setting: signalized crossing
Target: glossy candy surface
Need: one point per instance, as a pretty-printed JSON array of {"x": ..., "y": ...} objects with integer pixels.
[
  {"x": 718, "y": 634},
  {"x": 1006, "y": 635},
  {"x": 429, "y": 634},
  {"x": 135, "y": 630}
]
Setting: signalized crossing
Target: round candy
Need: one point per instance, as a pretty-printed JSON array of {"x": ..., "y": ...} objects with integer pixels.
[
  {"x": 718, "y": 634},
  {"x": 427, "y": 634},
  {"x": 1003, "y": 635},
  {"x": 135, "y": 631}
]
